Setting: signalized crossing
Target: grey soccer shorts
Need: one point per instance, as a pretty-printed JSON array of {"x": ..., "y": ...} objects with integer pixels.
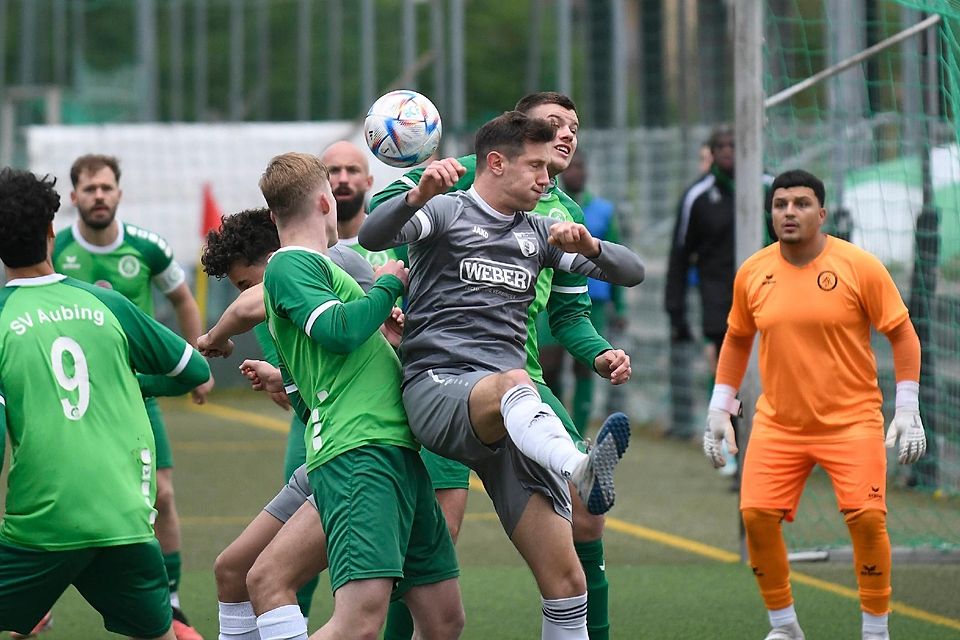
[
  {"x": 292, "y": 496},
  {"x": 437, "y": 405}
]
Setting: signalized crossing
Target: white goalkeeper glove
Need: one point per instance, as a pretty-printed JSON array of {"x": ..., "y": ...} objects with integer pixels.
[
  {"x": 719, "y": 427},
  {"x": 906, "y": 424}
]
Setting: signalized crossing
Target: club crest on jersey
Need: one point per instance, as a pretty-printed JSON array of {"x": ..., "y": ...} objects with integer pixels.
[
  {"x": 827, "y": 280},
  {"x": 528, "y": 243},
  {"x": 128, "y": 266},
  {"x": 478, "y": 271},
  {"x": 377, "y": 258},
  {"x": 556, "y": 213}
]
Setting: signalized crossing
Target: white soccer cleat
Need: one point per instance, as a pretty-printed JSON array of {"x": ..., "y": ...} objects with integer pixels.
[
  {"x": 790, "y": 631},
  {"x": 593, "y": 478}
]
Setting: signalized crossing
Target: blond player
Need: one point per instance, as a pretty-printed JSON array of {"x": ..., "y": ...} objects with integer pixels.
[{"x": 814, "y": 299}]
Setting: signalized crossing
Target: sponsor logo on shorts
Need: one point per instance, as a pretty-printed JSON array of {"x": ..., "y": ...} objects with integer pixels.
[
  {"x": 827, "y": 280},
  {"x": 875, "y": 493},
  {"x": 478, "y": 271},
  {"x": 870, "y": 570}
]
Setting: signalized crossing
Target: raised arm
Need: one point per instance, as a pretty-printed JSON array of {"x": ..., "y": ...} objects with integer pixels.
[
  {"x": 341, "y": 328},
  {"x": 586, "y": 255},
  {"x": 391, "y": 224},
  {"x": 411, "y": 178},
  {"x": 300, "y": 289},
  {"x": 243, "y": 314}
]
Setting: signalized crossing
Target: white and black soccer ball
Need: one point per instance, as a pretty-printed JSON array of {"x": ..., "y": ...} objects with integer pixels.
[{"x": 402, "y": 128}]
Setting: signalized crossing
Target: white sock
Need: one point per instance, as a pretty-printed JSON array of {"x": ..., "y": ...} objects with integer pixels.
[
  {"x": 238, "y": 621},
  {"x": 874, "y": 624},
  {"x": 282, "y": 623},
  {"x": 175, "y": 599},
  {"x": 782, "y": 617},
  {"x": 565, "y": 618},
  {"x": 537, "y": 431}
]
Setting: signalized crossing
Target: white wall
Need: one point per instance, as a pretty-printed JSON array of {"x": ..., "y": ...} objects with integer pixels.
[{"x": 164, "y": 167}]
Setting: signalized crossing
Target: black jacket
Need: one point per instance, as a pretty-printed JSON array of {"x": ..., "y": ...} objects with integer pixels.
[{"x": 704, "y": 235}]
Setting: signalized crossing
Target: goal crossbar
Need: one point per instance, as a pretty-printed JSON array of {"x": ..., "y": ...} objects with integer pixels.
[{"x": 843, "y": 65}]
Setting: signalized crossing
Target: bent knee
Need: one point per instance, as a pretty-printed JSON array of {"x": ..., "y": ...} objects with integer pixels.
[
  {"x": 259, "y": 579},
  {"x": 512, "y": 378},
  {"x": 866, "y": 519},
  {"x": 567, "y": 583},
  {"x": 228, "y": 571},
  {"x": 761, "y": 519},
  {"x": 165, "y": 498},
  {"x": 587, "y": 527},
  {"x": 453, "y": 527},
  {"x": 453, "y": 624}
]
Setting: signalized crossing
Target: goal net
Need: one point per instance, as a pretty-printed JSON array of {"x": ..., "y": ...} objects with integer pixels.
[{"x": 884, "y": 136}]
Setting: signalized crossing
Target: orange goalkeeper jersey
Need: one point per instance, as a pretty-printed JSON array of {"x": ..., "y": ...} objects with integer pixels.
[{"x": 817, "y": 370}]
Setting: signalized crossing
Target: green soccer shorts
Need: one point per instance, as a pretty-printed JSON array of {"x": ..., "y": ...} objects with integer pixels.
[
  {"x": 445, "y": 473},
  {"x": 382, "y": 520},
  {"x": 126, "y": 584}
]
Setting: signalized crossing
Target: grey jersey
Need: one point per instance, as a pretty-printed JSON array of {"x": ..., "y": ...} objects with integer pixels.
[
  {"x": 473, "y": 273},
  {"x": 353, "y": 263}
]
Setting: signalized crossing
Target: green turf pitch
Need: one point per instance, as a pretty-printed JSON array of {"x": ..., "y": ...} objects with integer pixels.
[{"x": 227, "y": 469}]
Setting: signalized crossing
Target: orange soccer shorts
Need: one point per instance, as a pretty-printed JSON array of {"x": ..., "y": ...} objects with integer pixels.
[{"x": 775, "y": 471}]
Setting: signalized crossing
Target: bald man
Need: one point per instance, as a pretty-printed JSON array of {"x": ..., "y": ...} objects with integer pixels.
[{"x": 350, "y": 180}]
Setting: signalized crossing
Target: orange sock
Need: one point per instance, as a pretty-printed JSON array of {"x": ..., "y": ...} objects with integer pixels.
[
  {"x": 768, "y": 556},
  {"x": 871, "y": 558}
]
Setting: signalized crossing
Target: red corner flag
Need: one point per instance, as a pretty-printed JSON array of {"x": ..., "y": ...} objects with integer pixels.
[
  {"x": 210, "y": 221},
  {"x": 212, "y": 215}
]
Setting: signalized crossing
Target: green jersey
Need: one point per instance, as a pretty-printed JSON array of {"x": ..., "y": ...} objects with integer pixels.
[
  {"x": 563, "y": 295},
  {"x": 82, "y": 472},
  {"x": 128, "y": 265},
  {"x": 327, "y": 336}
]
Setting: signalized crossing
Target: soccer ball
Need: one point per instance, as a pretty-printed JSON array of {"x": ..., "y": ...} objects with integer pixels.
[{"x": 402, "y": 128}]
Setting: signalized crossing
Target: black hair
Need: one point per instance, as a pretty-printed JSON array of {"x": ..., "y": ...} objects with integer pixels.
[
  {"x": 27, "y": 206},
  {"x": 247, "y": 237},
  {"x": 800, "y": 178}
]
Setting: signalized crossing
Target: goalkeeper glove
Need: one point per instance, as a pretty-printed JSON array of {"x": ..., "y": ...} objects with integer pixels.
[
  {"x": 719, "y": 427},
  {"x": 906, "y": 424}
]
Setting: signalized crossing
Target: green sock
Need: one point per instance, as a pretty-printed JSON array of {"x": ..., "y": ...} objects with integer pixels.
[
  {"x": 598, "y": 619},
  {"x": 305, "y": 596},
  {"x": 399, "y": 622},
  {"x": 582, "y": 399},
  {"x": 172, "y": 563}
]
